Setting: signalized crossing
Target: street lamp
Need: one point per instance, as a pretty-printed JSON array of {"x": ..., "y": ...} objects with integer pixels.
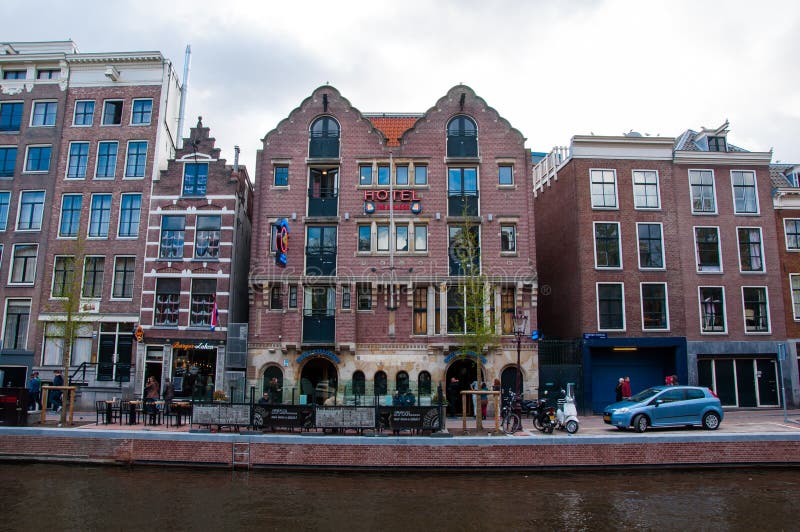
[{"x": 520, "y": 321}]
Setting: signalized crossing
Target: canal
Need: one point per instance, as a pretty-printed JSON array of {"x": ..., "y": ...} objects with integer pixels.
[{"x": 71, "y": 497}]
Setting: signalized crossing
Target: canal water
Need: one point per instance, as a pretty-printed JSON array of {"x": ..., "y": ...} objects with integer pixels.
[{"x": 70, "y": 497}]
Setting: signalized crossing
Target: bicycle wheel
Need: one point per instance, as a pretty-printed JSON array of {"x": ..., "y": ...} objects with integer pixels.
[{"x": 510, "y": 421}]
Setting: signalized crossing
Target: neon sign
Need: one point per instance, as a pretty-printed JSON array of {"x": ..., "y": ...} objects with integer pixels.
[{"x": 282, "y": 242}]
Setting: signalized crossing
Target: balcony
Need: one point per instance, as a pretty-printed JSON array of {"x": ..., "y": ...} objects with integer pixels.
[
  {"x": 321, "y": 260},
  {"x": 319, "y": 327},
  {"x": 323, "y": 147},
  {"x": 463, "y": 204},
  {"x": 323, "y": 201}
]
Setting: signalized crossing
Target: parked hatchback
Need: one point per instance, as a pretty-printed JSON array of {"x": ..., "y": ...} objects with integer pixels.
[{"x": 666, "y": 406}]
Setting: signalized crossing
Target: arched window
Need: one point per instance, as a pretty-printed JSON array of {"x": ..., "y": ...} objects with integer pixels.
[
  {"x": 359, "y": 383},
  {"x": 269, "y": 373},
  {"x": 324, "y": 138},
  {"x": 401, "y": 381},
  {"x": 380, "y": 383},
  {"x": 424, "y": 383},
  {"x": 462, "y": 137}
]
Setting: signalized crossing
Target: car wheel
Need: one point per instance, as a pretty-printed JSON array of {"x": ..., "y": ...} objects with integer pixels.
[
  {"x": 711, "y": 421},
  {"x": 572, "y": 426},
  {"x": 640, "y": 423}
]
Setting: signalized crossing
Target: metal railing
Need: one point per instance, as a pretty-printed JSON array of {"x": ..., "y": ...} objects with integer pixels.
[{"x": 547, "y": 169}]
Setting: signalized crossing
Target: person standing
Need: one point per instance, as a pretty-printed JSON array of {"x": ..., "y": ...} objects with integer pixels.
[
  {"x": 452, "y": 396},
  {"x": 34, "y": 391},
  {"x": 626, "y": 388},
  {"x": 275, "y": 391},
  {"x": 57, "y": 395},
  {"x": 169, "y": 394},
  {"x": 618, "y": 389},
  {"x": 474, "y": 387},
  {"x": 496, "y": 388},
  {"x": 484, "y": 400}
]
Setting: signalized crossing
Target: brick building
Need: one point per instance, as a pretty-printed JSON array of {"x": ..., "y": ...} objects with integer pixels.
[
  {"x": 82, "y": 138},
  {"x": 660, "y": 255},
  {"x": 195, "y": 277},
  {"x": 363, "y": 295}
]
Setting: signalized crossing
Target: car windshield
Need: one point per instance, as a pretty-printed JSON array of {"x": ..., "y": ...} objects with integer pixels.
[{"x": 644, "y": 395}]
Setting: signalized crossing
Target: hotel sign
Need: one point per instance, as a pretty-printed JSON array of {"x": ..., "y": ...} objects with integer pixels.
[{"x": 398, "y": 200}]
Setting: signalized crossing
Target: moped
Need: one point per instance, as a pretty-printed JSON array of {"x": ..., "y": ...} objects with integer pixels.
[{"x": 567, "y": 414}]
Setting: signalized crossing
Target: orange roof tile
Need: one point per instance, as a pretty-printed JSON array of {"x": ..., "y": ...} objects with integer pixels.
[{"x": 393, "y": 127}]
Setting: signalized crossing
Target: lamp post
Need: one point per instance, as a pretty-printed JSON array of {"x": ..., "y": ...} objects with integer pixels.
[{"x": 520, "y": 321}]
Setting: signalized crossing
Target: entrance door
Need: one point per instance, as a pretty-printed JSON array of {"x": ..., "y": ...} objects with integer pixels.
[
  {"x": 767, "y": 375},
  {"x": 153, "y": 369},
  {"x": 508, "y": 380},
  {"x": 319, "y": 379},
  {"x": 465, "y": 370},
  {"x": 746, "y": 383}
]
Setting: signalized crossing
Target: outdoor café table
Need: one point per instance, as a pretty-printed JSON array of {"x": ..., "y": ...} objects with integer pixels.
[
  {"x": 181, "y": 408},
  {"x": 109, "y": 412},
  {"x": 132, "y": 405}
]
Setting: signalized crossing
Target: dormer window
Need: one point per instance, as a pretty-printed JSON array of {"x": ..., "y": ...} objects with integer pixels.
[
  {"x": 324, "y": 138},
  {"x": 462, "y": 137},
  {"x": 717, "y": 144}
]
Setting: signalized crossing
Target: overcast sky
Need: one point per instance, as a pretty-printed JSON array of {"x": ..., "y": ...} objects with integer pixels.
[{"x": 553, "y": 69}]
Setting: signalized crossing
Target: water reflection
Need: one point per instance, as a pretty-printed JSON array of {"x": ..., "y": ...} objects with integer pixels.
[{"x": 102, "y": 498}]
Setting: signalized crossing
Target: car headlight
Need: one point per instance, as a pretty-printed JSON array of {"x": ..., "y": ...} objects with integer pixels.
[{"x": 622, "y": 410}]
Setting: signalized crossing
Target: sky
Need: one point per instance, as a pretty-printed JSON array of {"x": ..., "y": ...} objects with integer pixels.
[{"x": 552, "y": 69}]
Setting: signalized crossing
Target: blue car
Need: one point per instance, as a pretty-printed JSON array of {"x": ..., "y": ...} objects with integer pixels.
[{"x": 666, "y": 406}]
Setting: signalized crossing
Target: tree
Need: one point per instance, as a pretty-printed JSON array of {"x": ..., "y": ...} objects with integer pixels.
[{"x": 479, "y": 334}]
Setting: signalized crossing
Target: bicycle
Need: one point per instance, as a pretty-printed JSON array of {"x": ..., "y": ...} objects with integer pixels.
[{"x": 510, "y": 421}]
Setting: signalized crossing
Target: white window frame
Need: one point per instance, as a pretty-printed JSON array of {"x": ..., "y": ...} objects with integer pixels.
[
  {"x": 83, "y": 276},
  {"x": 75, "y": 113},
  {"x": 60, "y": 235},
  {"x": 713, "y": 187},
  {"x": 755, "y": 190},
  {"x": 133, "y": 103},
  {"x": 507, "y": 252},
  {"x": 114, "y": 277},
  {"x": 120, "y": 236},
  {"x": 658, "y": 190},
  {"x": 97, "y": 160},
  {"x": 53, "y": 276},
  {"x": 744, "y": 316},
  {"x": 666, "y": 305},
  {"x": 663, "y": 251},
  {"x": 795, "y": 302},
  {"x": 786, "y": 235},
  {"x": 91, "y": 215},
  {"x": 25, "y": 161},
  {"x": 697, "y": 251},
  {"x": 597, "y": 307},
  {"x": 724, "y": 310},
  {"x": 19, "y": 211},
  {"x": 619, "y": 245},
  {"x": 69, "y": 159},
  {"x": 414, "y": 226},
  {"x": 103, "y": 112},
  {"x": 5, "y": 320},
  {"x": 11, "y": 264},
  {"x": 8, "y": 212},
  {"x": 615, "y": 207},
  {"x": 146, "y": 154},
  {"x": 33, "y": 113},
  {"x": 739, "y": 251}
]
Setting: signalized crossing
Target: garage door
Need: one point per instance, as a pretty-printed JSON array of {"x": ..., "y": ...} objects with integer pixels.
[{"x": 645, "y": 367}]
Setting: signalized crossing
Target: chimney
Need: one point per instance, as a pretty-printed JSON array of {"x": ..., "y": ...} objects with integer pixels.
[{"x": 236, "y": 159}]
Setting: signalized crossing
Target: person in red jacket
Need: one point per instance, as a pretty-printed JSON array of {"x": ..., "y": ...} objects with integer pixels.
[{"x": 626, "y": 388}]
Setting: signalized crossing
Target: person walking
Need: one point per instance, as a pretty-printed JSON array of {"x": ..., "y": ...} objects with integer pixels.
[
  {"x": 34, "y": 391},
  {"x": 626, "y": 388},
  {"x": 56, "y": 396},
  {"x": 618, "y": 389}
]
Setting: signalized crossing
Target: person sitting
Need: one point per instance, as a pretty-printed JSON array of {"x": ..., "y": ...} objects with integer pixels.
[{"x": 264, "y": 399}]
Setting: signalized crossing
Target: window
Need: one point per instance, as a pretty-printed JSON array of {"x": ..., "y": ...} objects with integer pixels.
[
  {"x": 461, "y": 318},
  {"x": 654, "y": 306},
  {"x": 293, "y": 296},
  {"x": 508, "y": 238},
  {"x": 78, "y": 158},
  {"x": 10, "y": 116},
  {"x": 346, "y": 296},
  {"x": 645, "y": 189},
  {"x": 38, "y": 159},
  {"x": 420, "y": 175},
  {"x": 8, "y": 161},
  {"x": 604, "y": 189},
  {"x": 281, "y": 176},
  {"x": 14, "y": 74},
  {"x": 5, "y": 201},
  {"x": 63, "y": 276},
  {"x": 610, "y": 308},
  {"x": 195, "y": 179},
  {"x": 324, "y": 138},
  {"x": 791, "y": 229},
  {"x": 44, "y": 114},
  {"x": 23, "y": 263},
  {"x": 137, "y": 159},
  {"x": 364, "y": 238},
  {"x": 129, "y": 214},
  {"x": 204, "y": 296},
  {"x": 380, "y": 386},
  {"x": 142, "y": 112},
  {"x": 420, "y": 237},
  {"x": 424, "y": 383},
  {"x": 401, "y": 237},
  {"x": 464, "y": 250},
  {"x": 507, "y": 309},
  {"x": 124, "y": 271},
  {"x": 106, "y": 159},
  {"x": 364, "y": 296},
  {"x": 401, "y": 382},
  {"x": 70, "y": 215},
  {"x": 745, "y": 195},
  {"x": 359, "y": 383},
  {"x": 383, "y": 174},
  {"x": 31, "y": 209},
  {"x": 172, "y": 232},
  {"x": 15, "y": 330},
  {"x": 756, "y": 310},
  {"x": 462, "y": 137},
  {"x": 794, "y": 280},
  {"x": 383, "y": 238},
  {"x": 53, "y": 349},
  {"x": 100, "y": 215},
  {"x": 168, "y": 296},
  {"x": 93, "y": 272},
  {"x": 112, "y": 112},
  {"x": 701, "y": 183},
  {"x": 712, "y": 309},
  {"x": 651, "y": 246},
  {"x": 505, "y": 175},
  {"x": 47, "y": 73},
  {"x": 607, "y": 245},
  {"x": 717, "y": 144},
  {"x": 707, "y": 244},
  {"x": 321, "y": 250},
  {"x": 207, "y": 237},
  {"x": 751, "y": 256},
  {"x": 276, "y": 298},
  {"x": 401, "y": 175},
  {"x": 365, "y": 174},
  {"x": 421, "y": 310},
  {"x": 462, "y": 191},
  {"x": 84, "y": 113}
]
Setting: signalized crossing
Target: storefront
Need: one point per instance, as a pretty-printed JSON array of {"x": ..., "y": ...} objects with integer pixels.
[
  {"x": 742, "y": 381},
  {"x": 196, "y": 368}
]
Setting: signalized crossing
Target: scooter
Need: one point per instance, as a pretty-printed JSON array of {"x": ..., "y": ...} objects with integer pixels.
[
  {"x": 567, "y": 414},
  {"x": 544, "y": 417}
]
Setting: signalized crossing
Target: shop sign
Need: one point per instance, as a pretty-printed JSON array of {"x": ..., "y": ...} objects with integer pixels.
[
  {"x": 401, "y": 200},
  {"x": 139, "y": 334},
  {"x": 199, "y": 346},
  {"x": 282, "y": 242}
]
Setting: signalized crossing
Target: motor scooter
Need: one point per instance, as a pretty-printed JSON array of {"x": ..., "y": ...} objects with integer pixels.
[
  {"x": 567, "y": 414},
  {"x": 544, "y": 417}
]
